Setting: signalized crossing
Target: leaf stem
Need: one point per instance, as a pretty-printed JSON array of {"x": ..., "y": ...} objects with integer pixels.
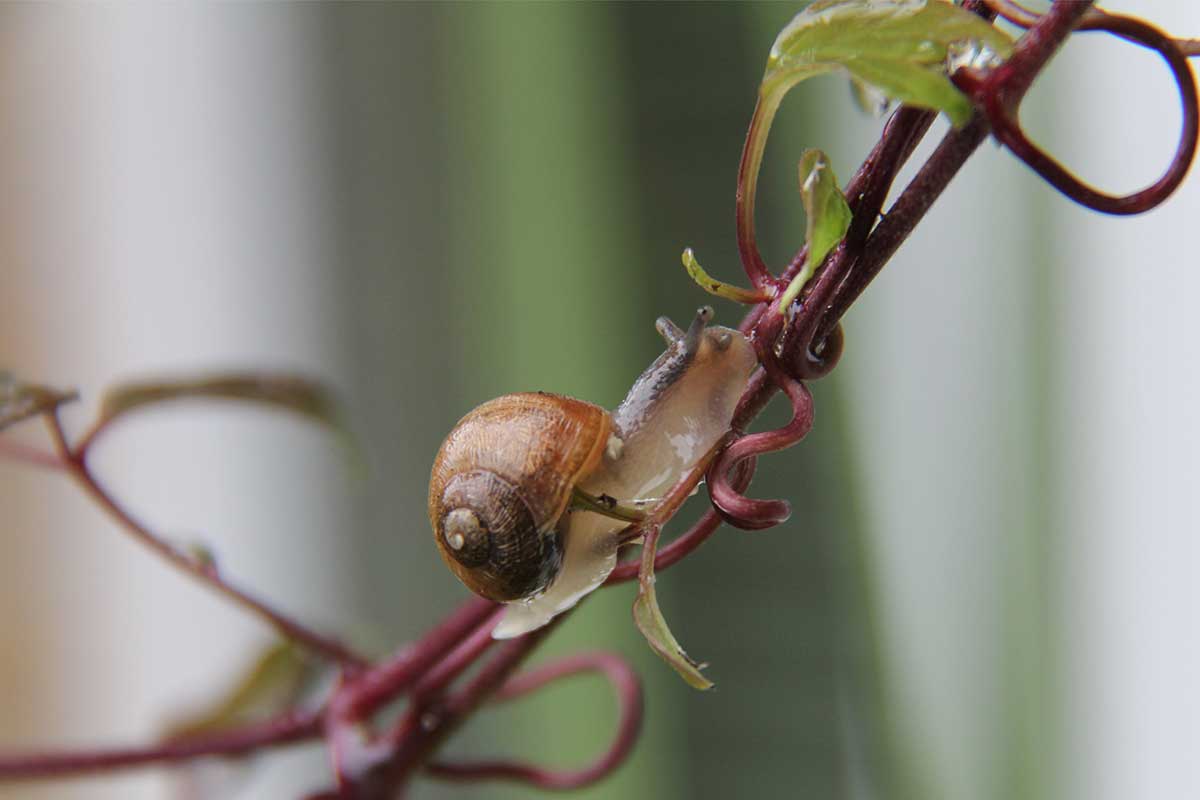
[{"x": 719, "y": 288}]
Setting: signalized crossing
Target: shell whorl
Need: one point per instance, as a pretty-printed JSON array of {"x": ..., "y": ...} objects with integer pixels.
[
  {"x": 500, "y": 484},
  {"x": 486, "y": 528}
]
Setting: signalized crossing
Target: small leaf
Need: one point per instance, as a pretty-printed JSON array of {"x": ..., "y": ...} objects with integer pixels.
[
  {"x": 713, "y": 286},
  {"x": 828, "y": 218},
  {"x": 897, "y": 46},
  {"x": 650, "y": 621},
  {"x": 273, "y": 683},
  {"x": 923, "y": 88},
  {"x": 20, "y": 401},
  {"x": 290, "y": 392}
]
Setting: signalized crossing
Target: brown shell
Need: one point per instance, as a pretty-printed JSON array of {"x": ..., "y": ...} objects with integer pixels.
[{"x": 535, "y": 445}]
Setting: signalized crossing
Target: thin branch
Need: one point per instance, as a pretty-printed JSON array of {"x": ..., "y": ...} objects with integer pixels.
[
  {"x": 15, "y": 451},
  {"x": 286, "y": 729},
  {"x": 747, "y": 242},
  {"x": 369, "y": 691},
  {"x": 1092, "y": 20},
  {"x": 629, "y": 700},
  {"x": 416, "y": 738},
  {"x": 737, "y": 509},
  {"x": 197, "y": 569},
  {"x": 1029, "y": 57},
  {"x": 998, "y": 92}
]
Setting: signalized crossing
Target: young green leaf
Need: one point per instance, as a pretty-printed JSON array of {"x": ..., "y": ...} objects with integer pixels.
[
  {"x": 719, "y": 288},
  {"x": 289, "y": 392},
  {"x": 897, "y": 46},
  {"x": 272, "y": 683},
  {"x": 828, "y": 218},
  {"x": 650, "y": 621}
]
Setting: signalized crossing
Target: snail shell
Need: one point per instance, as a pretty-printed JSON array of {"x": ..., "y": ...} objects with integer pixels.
[{"x": 501, "y": 483}]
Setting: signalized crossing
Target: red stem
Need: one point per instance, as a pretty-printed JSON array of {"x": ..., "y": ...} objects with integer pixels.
[
  {"x": 1000, "y": 91},
  {"x": 416, "y": 738},
  {"x": 367, "y": 692},
  {"x": 15, "y": 451},
  {"x": 294, "y": 726},
  {"x": 629, "y": 699},
  {"x": 737, "y": 509},
  {"x": 77, "y": 467},
  {"x": 747, "y": 242}
]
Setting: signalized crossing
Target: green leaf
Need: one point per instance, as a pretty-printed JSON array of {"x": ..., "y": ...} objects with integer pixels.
[
  {"x": 273, "y": 682},
  {"x": 289, "y": 392},
  {"x": 20, "y": 401},
  {"x": 897, "y": 46},
  {"x": 924, "y": 88},
  {"x": 650, "y": 621},
  {"x": 828, "y": 218},
  {"x": 713, "y": 286}
]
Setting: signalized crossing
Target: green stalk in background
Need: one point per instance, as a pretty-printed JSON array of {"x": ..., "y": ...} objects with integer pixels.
[
  {"x": 545, "y": 265},
  {"x": 1028, "y": 724},
  {"x": 878, "y": 755}
]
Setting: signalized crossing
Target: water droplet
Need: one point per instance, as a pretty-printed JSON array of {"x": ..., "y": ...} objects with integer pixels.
[
  {"x": 971, "y": 54},
  {"x": 869, "y": 99}
]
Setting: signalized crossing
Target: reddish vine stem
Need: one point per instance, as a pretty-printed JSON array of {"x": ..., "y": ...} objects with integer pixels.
[
  {"x": 416, "y": 739},
  {"x": 370, "y": 690},
  {"x": 76, "y": 466},
  {"x": 999, "y": 92},
  {"x": 747, "y": 242},
  {"x": 15, "y": 451},
  {"x": 1092, "y": 20},
  {"x": 439, "y": 659},
  {"x": 734, "y": 507},
  {"x": 690, "y": 540},
  {"x": 288, "y": 728},
  {"x": 629, "y": 699},
  {"x": 865, "y": 194},
  {"x": 1030, "y": 55}
]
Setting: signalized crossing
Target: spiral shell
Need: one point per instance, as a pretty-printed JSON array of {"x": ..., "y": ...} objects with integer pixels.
[{"x": 502, "y": 482}]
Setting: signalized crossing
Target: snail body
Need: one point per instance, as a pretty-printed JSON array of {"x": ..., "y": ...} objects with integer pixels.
[{"x": 503, "y": 483}]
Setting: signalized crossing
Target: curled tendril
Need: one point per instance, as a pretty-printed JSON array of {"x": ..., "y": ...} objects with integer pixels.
[
  {"x": 810, "y": 361},
  {"x": 629, "y": 698},
  {"x": 1000, "y": 104},
  {"x": 691, "y": 539},
  {"x": 733, "y": 506}
]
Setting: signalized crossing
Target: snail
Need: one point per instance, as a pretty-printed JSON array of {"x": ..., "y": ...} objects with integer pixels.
[{"x": 529, "y": 492}]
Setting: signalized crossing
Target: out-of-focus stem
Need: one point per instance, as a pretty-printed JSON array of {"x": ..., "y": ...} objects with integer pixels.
[
  {"x": 77, "y": 467},
  {"x": 286, "y": 729},
  {"x": 629, "y": 699}
]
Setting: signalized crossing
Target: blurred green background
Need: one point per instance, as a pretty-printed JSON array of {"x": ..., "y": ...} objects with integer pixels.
[
  {"x": 985, "y": 590},
  {"x": 578, "y": 149}
]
